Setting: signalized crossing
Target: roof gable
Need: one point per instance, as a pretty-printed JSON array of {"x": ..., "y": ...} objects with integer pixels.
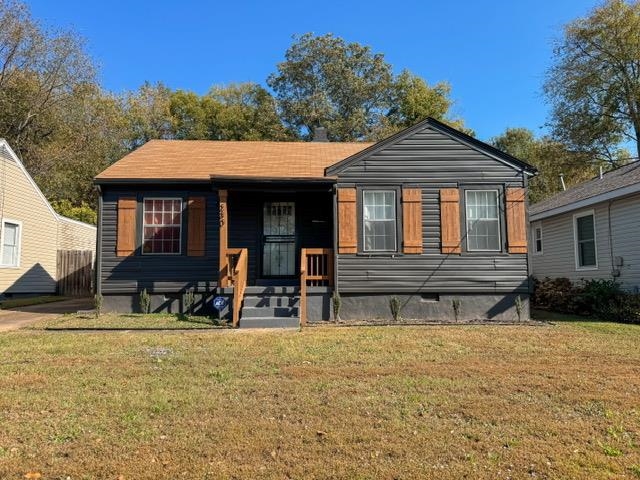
[{"x": 440, "y": 127}]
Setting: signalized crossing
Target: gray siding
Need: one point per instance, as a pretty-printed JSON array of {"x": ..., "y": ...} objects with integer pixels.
[
  {"x": 157, "y": 273},
  {"x": 432, "y": 160},
  {"x": 558, "y": 251}
]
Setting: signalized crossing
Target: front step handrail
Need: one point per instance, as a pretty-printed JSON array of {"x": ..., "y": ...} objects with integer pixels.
[
  {"x": 240, "y": 271},
  {"x": 316, "y": 266}
]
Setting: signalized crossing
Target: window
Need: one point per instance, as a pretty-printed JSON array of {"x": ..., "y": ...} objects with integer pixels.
[
  {"x": 10, "y": 243},
  {"x": 379, "y": 220},
  {"x": 483, "y": 220},
  {"x": 537, "y": 239},
  {"x": 585, "y": 240},
  {"x": 162, "y": 228}
]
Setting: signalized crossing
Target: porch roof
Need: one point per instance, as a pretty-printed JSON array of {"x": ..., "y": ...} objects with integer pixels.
[{"x": 202, "y": 160}]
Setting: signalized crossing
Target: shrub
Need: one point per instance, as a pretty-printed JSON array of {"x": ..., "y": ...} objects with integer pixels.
[
  {"x": 601, "y": 298},
  {"x": 145, "y": 301},
  {"x": 98, "y": 301},
  {"x": 394, "y": 305},
  {"x": 557, "y": 294},
  {"x": 337, "y": 304},
  {"x": 455, "y": 304},
  {"x": 188, "y": 300}
]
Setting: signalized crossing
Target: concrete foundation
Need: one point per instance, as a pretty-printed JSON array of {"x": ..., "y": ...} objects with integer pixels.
[
  {"x": 167, "y": 303},
  {"x": 354, "y": 306},
  {"x": 435, "y": 307}
]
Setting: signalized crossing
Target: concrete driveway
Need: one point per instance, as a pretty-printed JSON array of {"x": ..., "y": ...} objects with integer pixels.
[{"x": 16, "y": 318}]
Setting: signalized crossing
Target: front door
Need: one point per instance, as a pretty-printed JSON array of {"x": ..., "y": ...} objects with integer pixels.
[{"x": 279, "y": 239}]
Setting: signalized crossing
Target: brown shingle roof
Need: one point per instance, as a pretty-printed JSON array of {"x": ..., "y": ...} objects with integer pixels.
[{"x": 200, "y": 159}]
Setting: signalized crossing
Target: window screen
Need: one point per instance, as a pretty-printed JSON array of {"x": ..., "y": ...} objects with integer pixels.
[
  {"x": 10, "y": 244},
  {"x": 586, "y": 237},
  {"x": 162, "y": 225},
  {"x": 483, "y": 221},
  {"x": 379, "y": 218}
]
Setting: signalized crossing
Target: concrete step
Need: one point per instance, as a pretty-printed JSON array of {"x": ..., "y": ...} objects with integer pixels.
[
  {"x": 271, "y": 290},
  {"x": 269, "y": 322},
  {"x": 270, "y": 301},
  {"x": 276, "y": 312}
]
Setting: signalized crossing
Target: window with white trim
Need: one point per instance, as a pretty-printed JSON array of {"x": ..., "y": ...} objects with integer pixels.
[
  {"x": 585, "y": 238},
  {"x": 379, "y": 220},
  {"x": 10, "y": 244},
  {"x": 483, "y": 220},
  {"x": 162, "y": 226},
  {"x": 537, "y": 239}
]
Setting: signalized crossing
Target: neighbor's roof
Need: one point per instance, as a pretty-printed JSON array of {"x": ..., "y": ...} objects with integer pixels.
[
  {"x": 616, "y": 183},
  {"x": 203, "y": 159}
]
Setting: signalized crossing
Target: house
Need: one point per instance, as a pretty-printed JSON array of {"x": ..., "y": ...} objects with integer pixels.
[
  {"x": 430, "y": 215},
  {"x": 31, "y": 232},
  {"x": 590, "y": 231}
]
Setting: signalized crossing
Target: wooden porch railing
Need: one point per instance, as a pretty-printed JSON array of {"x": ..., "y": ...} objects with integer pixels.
[
  {"x": 316, "y": 270},
  {"x": 238, "y": 261}
]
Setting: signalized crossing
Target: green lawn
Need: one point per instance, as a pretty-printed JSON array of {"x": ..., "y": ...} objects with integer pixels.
[
  {"x": 133, "y": 321},
  {"x": 550, "y": 401},
  {"x": 28, "y": 301}
]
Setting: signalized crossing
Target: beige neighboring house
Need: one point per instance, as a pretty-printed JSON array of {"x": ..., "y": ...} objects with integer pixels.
[
  {"x": 590, "y": 231},
  {"x": 31, "y": 232}
]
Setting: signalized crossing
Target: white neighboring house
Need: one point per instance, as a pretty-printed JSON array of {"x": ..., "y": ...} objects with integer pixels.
[
  {"x": 31, "y": 232},
  {"x": 591, "y": 231}
]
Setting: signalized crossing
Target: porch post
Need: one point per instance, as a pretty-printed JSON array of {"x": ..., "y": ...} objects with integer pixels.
[{"x": 223, "y": 239}]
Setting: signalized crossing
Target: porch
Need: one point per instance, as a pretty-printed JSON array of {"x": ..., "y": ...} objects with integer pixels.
[{"x": 276, "y": 252}]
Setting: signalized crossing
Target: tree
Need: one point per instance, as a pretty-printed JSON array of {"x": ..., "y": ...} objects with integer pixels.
[
  {"x": 148, "y": 111},
  {"x": 327, "y": 82},
  {"x": 39, "y": 72},
  {"x": 594, "y": 83},
  {"x": 414, "y": 100},
  {"x": 244, "y": 111},
  {"x": 551, "y": 157},
  {"x": 345, "y": 87},
  {"x": 188, "y": 116}
]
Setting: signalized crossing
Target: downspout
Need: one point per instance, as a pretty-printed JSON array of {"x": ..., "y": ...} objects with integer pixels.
[{"x": 613, "y": 267}]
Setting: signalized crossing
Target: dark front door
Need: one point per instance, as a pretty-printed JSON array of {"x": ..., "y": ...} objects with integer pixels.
[{"x": 279, "y": 239}]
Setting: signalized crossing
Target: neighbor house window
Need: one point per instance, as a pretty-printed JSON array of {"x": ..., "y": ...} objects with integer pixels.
[
  {"x": 483, "y": 220},
  {"x": 537, "y": 239},
  {"x": 162, "y": 228},
  {"x": 379, "y": 220},
  {"x": 585, "y": 238},
  {"x": 10, "y": 243}
]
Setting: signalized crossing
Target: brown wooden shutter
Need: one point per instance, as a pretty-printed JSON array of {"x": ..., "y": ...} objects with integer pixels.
[
  {"x": 450, "y": 220},
  {"x": 196, "y": 229},
  {"x": 412, "y": 220},
  {"x": 347, "y": 221},
  {"x": 516, "y": 221},
  {"x": 126, "y": 234}
]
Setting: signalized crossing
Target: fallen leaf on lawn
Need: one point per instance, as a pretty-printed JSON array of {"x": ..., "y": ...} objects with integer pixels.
[{"x": 33, "y": 475}]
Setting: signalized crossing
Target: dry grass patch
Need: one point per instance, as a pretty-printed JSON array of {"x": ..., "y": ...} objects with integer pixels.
[{"x": 399, "y": 402}]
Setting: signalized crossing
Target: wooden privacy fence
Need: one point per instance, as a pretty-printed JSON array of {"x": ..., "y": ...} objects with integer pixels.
[{"x": 75, "y": 272}]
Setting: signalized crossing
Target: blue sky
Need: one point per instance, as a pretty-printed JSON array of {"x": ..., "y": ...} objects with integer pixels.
[{"x": 493, "y": 53}]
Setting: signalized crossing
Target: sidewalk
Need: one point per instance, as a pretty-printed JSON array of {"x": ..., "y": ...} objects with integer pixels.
[{"x": 19, "y": 317}]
